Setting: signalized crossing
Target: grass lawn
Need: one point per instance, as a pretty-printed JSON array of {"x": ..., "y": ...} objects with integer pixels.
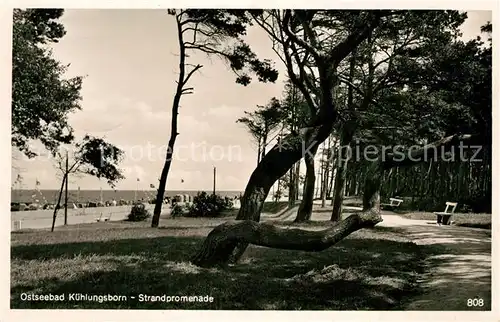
[
  {"x": 465, "y": 220},
  {"x": 372, "y": 269}
]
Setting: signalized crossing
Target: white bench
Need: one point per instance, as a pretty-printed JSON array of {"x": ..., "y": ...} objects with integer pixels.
[
  {"x": 443, "y": 218},
  {"x": 394, "y": 203}
]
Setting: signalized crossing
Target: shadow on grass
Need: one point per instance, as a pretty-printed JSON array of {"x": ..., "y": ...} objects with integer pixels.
[
  {"x": 374, "y": 273},
  {"x": 458, "y": 262}
]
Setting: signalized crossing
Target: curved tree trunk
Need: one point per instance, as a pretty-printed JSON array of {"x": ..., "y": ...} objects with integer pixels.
[
  {"x": 58, "y": 205},
  {"x": 272, "y": 167},
  {"x": 281, "y": 158},
  {"x": 306, "y": 204},
  {"x": 275, "y": 164},
  {"x": 215, "y": 250},
  {"x": 217, "y": 247},
  {"x": 338, "y": 190}
]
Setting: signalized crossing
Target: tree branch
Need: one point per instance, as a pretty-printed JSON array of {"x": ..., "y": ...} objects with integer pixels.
[
  {"x": 412, "y": 157},
  {"x": 294, "y": 38},
  {"x": 339, "y": 52},
  {"x": 188, "y": 76}
]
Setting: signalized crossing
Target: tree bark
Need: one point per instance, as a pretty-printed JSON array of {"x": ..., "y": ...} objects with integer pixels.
[
  {"x": 340, "y": 176},
  {"x": 338, "y": 191},
  {"x": 291, "y": 187},
  {"x": 259, "y": 153},
  {"x": 306, "y": 205},
  {"x": 181, "y": 82},
  {"x": 264, "y": 143},
  {"x": 297, "y": 180},
  {"x": 56, "y": 208},
  {"x": 326, "y": 173}
]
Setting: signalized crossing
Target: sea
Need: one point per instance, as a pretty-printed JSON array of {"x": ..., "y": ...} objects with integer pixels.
[{"x": 82, "y": 196}]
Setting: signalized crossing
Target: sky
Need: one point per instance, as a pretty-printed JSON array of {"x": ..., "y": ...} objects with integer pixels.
[{"x": 130, "y": 63}]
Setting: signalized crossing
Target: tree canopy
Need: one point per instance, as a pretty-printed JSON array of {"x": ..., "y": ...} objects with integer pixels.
[{"x": 42, "y": 97}]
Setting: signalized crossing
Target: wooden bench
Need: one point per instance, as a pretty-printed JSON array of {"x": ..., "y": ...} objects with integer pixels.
[
  {"x": 394, "y": 203},
  {"x": 443, "y": 218}
]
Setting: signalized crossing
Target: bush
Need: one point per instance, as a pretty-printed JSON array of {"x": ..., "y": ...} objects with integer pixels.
[
  {"x": 209, "y": 205},
  {"x": 179, "y": 210},
  {"x": 138, "y": 213}
]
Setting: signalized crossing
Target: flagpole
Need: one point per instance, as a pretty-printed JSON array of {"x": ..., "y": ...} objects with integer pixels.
[
  {"x": 135, "y": 192},
  {"x": 215, "y": 175}
]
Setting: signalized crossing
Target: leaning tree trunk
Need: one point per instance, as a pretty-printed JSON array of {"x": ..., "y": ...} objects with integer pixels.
[
  {"x": 275, "y": 164},
  {"x": 306, "y": 204},
  {"x": 340, "y": 175},
  {"x": 180, "y": 90},
  {"x": 216, "y": 250},
  {"x": 163, "y": 178},
  {"x": 326, "y": 173},
  {"x": 338, "y": 190},
  {"x": 291, "y": 187},
  {"x": 56, "y": 208},
  {"x": 272, "y": 167},
  {"x": 218, "y": 247},
  {"x": 297, "y": 180}
]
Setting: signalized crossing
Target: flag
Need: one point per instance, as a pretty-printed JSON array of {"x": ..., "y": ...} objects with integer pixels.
[
  {"x": 152, "y": 186},
  {"x": 37, "y": 182}
]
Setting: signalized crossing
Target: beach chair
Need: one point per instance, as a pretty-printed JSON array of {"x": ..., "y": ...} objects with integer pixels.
[
  {"x": 394, "y": 203},
  {"x": 17, "y": 225},
  {"x": 443, "y": 218}
]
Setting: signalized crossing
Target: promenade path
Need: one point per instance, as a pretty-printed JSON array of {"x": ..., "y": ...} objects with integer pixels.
[{"x": 458, "y": 262}]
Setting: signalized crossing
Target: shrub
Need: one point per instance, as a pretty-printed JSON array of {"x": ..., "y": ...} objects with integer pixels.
[
  {"x": 138, "y": 213},
  {"x": 209, "y": 205},
  {"x": 178, "y": 210}
]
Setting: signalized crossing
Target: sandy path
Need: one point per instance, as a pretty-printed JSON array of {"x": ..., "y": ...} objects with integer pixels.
[
  {"x": 458, "y": 261},
  {"x": 458, "y": 265}
]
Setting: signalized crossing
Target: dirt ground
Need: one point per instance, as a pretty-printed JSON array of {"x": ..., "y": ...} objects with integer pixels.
[
  {"x": 459, "y": 274},
  {"x": 458, "y": 260}
]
